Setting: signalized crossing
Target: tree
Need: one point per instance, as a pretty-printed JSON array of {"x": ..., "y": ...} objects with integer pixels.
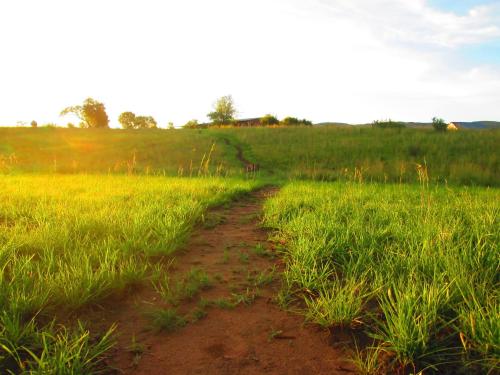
[
  {"x": 70, "y": 125},
  {"x": 294, "y": 121},
  {"x": 145, "y": 122},
  {"x": 92, "y": 113},
  {"x": 34, "y": 124},
  {"x": 191, "y": 124},
  {"x": 127, "y": 120},
  {"x": 269, "y": 120},
  {"x": 224, "y": 111},
  {"x": 170, "y": 126},
  {"x": 439, "y": 124}
]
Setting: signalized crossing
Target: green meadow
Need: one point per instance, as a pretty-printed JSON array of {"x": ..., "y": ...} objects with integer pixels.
[
  {"x": 375, "y": 155},
  {"x": 328, "y": 153},
  {"x": 113, "y": 151},
  {"x": 391, "y": 235},
  {"x": 71, "y": 241},
  {"x": 415, "y": 269}
]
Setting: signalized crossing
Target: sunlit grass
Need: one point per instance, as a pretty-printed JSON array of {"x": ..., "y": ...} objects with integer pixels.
[
  {"x": 416, "y": 266},
  {"x": 382, "y": 155},
  {"x": 71, "y": 241}
]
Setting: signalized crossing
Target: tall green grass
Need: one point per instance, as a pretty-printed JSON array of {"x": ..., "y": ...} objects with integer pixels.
[
  {"x": 115, "y": 151},
  {"x": 382, "y": 155},
  {"x": 415, "y": 267},
  {"x": 70, "y": 241},
  {"x": 319, "y": 153}
]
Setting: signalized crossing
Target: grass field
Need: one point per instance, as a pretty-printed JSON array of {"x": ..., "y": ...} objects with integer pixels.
[
  {"x": 400, "y": 247},
  {"x": 319, "y": 153},
  {"x": 414, "y": 268},
  {"x": 383, "y": 155},
  {"x": 157, "y": 152},
  {"x": 70, "y": 241}
]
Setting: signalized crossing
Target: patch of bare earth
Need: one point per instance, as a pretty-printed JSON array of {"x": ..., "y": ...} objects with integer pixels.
[{"x": 253, "y": 337}]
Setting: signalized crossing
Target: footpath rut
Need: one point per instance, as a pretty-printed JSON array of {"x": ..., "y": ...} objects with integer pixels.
[{"x": 254, "y": 337}]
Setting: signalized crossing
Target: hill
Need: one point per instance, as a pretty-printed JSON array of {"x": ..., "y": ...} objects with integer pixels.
[
  {"x": 165, "y": 152},
  {"x": 475, "y": 125},
  {"x": 320, "y": 153}
]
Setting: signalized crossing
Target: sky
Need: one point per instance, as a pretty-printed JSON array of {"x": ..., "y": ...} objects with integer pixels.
[{"x": 349, "y": 61}]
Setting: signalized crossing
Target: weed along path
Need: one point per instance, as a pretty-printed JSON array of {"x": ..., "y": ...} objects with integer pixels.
[{"x": 216, "y": 312}]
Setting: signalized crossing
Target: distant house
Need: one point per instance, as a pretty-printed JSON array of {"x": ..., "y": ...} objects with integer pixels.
[
  {"x": 452, "y": 126},
  {"x": 247, "y": 122},
  {"x": 239, "y": 122}
]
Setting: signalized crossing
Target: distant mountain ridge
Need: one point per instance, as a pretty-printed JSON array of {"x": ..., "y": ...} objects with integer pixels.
[{"x": 460, "y": 124}]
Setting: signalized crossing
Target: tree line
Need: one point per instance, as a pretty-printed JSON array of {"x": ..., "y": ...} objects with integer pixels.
[{"x": 92, "y": 114}]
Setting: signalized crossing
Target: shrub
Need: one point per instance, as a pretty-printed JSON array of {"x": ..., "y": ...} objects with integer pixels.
[
  {"x": 191, "y": 124},
  {"x": 34, "y": 124},
  {"x": 269, "y": 120},
  {"x": 294, "y": 121},
  {"x": 439, "y": 124}
]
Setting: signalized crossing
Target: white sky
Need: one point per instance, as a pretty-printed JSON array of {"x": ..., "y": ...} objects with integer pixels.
[{"x": 325, "y": 60}]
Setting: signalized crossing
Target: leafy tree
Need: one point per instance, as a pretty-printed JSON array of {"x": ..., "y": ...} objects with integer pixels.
[
  {"x": 269, "y": 120},
  {"x": 191, "y": 124},
  {"x": 70, "y": 125},
  {"x": 34, "y": 124},
  {"x": 170, "y": 126},
  {"x": 294, "y": 121},
  {"x": 224, "y": 111},
  {"x": 91, "y": 113},
  {"x": 439, "y": 124},
  {"x": 127, "y": 120},
  {"x": 145, "y": 122}
]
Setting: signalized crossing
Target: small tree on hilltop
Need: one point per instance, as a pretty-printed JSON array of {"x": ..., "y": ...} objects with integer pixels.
[
  {"x": 127, "y": 120},
  {"x": 269, "y": 120},
  {"x": 145, "y": 122},
  {"x": 191, "y": 124},
  {"x": 34, "y": 124},
  {"x": 294, "y": 121},
  {"x": 91, "y": 113},
  {"x": 290, "y": 121},
  {"x": 439, "y": 124},
  {"x": 224, "y": 111},
  {"x": 170, "y": 126}
]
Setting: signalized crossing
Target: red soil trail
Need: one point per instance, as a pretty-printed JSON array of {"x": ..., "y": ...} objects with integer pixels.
[{"x": 253, "y": 338}]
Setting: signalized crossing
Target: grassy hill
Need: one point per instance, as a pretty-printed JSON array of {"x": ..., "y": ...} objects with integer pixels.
[
  {"x": 384, "y": 155},
  {"x": 321, "y": 153},
  {"x": 476, "y": 125},
  {"x": 169, "y": 152}
]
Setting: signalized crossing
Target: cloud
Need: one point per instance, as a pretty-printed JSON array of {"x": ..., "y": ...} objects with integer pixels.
[{"x": 416, "y": 21}]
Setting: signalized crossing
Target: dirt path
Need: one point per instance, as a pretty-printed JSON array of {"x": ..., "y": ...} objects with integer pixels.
[
  {"x": 253, "y": 337},
  {"x": 247, "y": 164}
]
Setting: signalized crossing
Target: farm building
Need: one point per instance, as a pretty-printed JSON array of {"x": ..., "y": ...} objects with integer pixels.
[{"x": 248, "y": 122}]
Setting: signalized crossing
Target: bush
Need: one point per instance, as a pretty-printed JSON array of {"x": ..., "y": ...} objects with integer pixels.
[
  {"x": 439, "y": 124},
  {"x": 294, "y": 121},
  {"x": 269, "y": 120},
  {"x": 34, "y": 124},
  {"x": 191, "y": 124}
]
